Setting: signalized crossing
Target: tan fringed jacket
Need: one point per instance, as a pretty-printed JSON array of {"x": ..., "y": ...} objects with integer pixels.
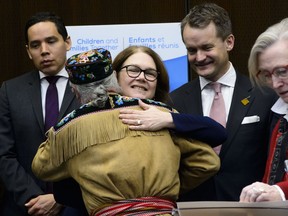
[{"x": 112, "y": 163}]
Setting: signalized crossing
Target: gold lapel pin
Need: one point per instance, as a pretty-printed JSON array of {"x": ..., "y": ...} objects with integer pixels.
[{"x": 245, "y": 101}]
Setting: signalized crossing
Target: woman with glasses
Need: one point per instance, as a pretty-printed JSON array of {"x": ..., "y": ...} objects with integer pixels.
[
  {"x": 120, "y": 171},
  {"x": 142, "y": 74},
  {"x": 268, "y": 66}
]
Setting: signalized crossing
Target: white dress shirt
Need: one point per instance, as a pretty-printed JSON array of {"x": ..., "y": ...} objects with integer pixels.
[
  {"x": 227, "y": 88},
  {"x": 61, "y": 86}
]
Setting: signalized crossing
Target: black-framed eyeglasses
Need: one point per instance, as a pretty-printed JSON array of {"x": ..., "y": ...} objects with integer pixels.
[
  {"x": 279, "y": 72},
  {"x": 134, "y": 71}
]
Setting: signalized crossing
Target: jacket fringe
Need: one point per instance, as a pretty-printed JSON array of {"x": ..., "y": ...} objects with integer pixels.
[{"x": 76, "y": 135}]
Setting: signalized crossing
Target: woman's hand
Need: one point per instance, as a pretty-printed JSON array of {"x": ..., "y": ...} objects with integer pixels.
[{"x": 150, "y": 118}]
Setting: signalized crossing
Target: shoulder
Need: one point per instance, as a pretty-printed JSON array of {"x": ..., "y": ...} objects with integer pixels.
[
  {"x": 184, "y": 93},
  {"x": 23, "y": 79},
  {"x": 187, "y": 87},
  {"x": 81, "y": 111},
  {"x": 21, "y": 86},
  {"x": 265, "y": 95},
  {"x": 261, "y": 93},
  {"x": 119, "y": 101},
  {"x": 114, "y": 101}
]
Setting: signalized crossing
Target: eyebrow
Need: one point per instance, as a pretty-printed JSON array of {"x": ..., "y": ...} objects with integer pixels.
[
  {"x": 148, "y": 68},
  {"x": 45, "y": 39}
]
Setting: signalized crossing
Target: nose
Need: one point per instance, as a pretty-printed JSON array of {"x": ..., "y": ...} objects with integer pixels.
[
  {"x": 141, "y": 75},
  {"x": 276, "y": 82},
  {"x": 44, "y": 49},
  {"x": 200, "y": 56}
]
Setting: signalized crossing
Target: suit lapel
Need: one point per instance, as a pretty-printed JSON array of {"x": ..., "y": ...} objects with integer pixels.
[
  {"x": 238, "y": 110},
  {"x": 194, "y": 91},
  {"x": 35, "y": 93},
  {"x": 67, "y": 100}
]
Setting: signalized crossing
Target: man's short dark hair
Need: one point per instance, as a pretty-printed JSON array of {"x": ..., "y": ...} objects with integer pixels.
[
  {"x": 200, "y": 16},
  {"x": 46, "y": 17}
]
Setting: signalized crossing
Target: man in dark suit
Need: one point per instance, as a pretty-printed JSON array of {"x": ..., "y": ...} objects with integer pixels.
[
  {"x": 22, "y": 117},
  {"x": 207, "y": 34}
]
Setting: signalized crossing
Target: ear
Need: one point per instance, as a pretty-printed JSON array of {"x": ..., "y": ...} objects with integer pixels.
[
  {"x": 68, "y": 43},
  {"x": 229, "y": 42},
  {"x": 28, "y": 52}
]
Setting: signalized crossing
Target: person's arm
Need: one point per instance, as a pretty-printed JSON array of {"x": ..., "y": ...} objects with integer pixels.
[
  {"x": 198, "y": 163},
  {"x": 42, "y": 165},
  {"x": 15, "y": 178},
  {"x": 151, "y": 118},
  {"x": 201, "y": 128},
  {"x": 45, "y": 167},
  {"x": 197, "y": 127}
]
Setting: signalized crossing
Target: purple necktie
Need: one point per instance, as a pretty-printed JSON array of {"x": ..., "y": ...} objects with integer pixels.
[
  {"x": 218, "y": 111},
  {"x": 51, "y": 106}
]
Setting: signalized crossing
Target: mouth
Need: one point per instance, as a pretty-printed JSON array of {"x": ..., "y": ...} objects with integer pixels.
[
  {"x": 202, "y": 64},
  {"x": 46, "y": 63},
  {"x": 283, "y": 93},
  {"x": 140, "y": 88}
]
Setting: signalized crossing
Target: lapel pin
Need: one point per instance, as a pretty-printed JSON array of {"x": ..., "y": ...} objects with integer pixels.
[{"x": 245, "y": 101}]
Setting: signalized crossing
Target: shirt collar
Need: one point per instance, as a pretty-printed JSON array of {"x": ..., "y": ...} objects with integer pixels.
[
  {"x": 280, "y": 107},
  {"x": 62, "y": 73},
  {"x": 228, "y": 79}
]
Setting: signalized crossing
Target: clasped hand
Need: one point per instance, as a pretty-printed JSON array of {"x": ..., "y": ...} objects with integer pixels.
[
  {"x": 150, "y": 118},
  {"x": 260, "y": 192},
  {"x": 43, "y": 205}
]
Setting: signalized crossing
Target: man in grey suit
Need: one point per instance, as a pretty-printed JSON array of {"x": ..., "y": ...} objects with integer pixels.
[
  {"x": 207, "y": 34},
  {"x": 22, "y": 116}
]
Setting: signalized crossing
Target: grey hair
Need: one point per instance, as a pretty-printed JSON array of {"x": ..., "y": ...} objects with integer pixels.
[
  {"x": 274, "y": 33},
  {"x": 97, "y": 92}
]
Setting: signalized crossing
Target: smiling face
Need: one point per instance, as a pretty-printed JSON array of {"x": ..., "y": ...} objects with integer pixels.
[
  {"x": 207, "y": 53},
  {"x": 46, "y": 47},
  {"x": 138, "y": 87},
  {"x": 276, "y": 56}
]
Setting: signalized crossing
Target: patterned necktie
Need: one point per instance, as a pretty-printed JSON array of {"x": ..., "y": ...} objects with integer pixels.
[
  {"x": 275, "y": 168},
  {"x": 218, "y": 111},
  {"x": 51, "y": 105}
]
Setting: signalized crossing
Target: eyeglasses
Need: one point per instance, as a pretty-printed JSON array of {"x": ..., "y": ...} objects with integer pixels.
[
  {"x": 134, "y": 71},
  {"x": 266, "y": 76}
]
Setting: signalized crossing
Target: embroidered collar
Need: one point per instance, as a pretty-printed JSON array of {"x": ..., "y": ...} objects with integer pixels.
[{"x": 114, "y": 101}]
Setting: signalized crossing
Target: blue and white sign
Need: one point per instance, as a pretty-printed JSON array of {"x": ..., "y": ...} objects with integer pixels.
[{"x": 163, "y": 38}]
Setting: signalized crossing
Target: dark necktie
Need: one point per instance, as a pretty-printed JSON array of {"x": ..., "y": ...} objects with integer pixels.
[
  {"x": 218, "y": 111},
  {"x": 51, "y": 112},
  {"x": 51, "y": 105}
]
